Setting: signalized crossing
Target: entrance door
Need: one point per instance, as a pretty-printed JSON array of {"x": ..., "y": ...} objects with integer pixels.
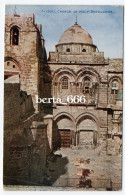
[
  {"x": 64, "y": 137},
  {"x": 86, "y": 137}
]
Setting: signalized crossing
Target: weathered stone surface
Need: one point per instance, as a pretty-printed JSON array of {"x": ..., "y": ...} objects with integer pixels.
[{"x": 90, "y": 130}]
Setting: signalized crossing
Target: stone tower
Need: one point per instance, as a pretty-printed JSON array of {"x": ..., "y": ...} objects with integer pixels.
[{"x": 24, "y": 52}]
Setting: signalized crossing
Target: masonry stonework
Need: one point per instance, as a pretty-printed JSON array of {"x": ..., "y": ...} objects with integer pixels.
[
  {"x": 91, "y": 126},
  {"x": 86, "y": 72}
]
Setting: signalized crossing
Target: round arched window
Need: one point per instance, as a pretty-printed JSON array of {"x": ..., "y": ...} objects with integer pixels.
[
  {"x": 86, "y": 84},
  {"x": 115, "y": 84},
  {"x": 64, "y": 83},
  {"x": 83, "y": 50},
  {"x": 115, "y": 87},
  {"x": 68, "y": 50},
  {"x": 14, "y": 36}
]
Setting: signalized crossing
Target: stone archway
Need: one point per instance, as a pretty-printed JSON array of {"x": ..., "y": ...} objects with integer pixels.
[
  {"x": 87, "y": 131},
  {"x": 64, "y": 130}
]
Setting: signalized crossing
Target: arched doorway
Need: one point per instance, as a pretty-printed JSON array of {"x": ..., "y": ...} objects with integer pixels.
[
  {"x": 87, "y": 131},
  {"x": 64, "y": 131}
]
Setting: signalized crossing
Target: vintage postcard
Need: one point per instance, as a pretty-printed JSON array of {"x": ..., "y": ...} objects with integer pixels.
[{"x": 63, "y": 95}]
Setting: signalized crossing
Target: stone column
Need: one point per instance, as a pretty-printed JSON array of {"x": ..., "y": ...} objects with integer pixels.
[
  {"x": 40, "y": 150},
  {"x": 71, "y": 87},
  {"x": 73, "y": 137},
  {"x": 48, "y": 119},
  {"x": 78, "y": 137}
]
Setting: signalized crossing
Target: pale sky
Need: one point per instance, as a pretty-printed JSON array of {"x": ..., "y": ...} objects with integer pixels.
[{"x": 105, "y": 26}]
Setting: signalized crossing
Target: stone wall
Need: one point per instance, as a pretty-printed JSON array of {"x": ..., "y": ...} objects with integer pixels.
[
  {"x": 16, "y": 101},
  {"x": 24, "y": 156},
  {"x": 102, "y": 98},
  {"x": 93, "y": 57}
]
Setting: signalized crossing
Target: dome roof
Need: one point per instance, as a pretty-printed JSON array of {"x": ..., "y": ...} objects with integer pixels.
[{"x": 75, "y": 34}]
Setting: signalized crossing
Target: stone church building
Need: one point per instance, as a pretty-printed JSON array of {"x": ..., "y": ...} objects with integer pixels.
[
  {"x": 79, "y": 69},
  {"x": 89, "y": 86}
]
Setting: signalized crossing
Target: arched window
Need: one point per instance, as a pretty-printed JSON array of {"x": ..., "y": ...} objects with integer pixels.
[
  {"x": 86, "y": 84},
  {"x": 68, "y": 50},
  {"x": 64, "y": 83},
  {"x": 8, "y": 63},
  {"x": 115, "y": 87},
  {"x": 83, "y": 50},
  {"x": 14, "y": 36}
]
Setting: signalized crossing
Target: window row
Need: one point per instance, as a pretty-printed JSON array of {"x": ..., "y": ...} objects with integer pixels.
[
  {"x": 88, "y": 84},
  {"x": 8, "y": 64},
  {"x": 68, "y": 50}
]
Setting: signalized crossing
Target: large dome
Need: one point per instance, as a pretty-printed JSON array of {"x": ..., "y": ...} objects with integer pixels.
[{"x": 75, "y": 34}]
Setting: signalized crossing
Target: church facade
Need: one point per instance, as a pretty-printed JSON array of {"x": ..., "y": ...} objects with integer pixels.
[{"x": 79, "y": 70}]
